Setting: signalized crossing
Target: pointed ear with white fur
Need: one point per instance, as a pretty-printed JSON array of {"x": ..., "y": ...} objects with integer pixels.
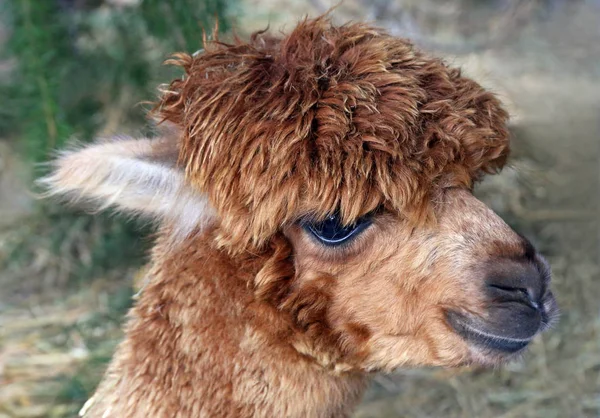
[{"x": 138, "y": 176}]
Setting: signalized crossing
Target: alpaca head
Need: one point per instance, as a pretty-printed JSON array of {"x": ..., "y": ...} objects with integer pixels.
[{"x": 344, "y": 159}]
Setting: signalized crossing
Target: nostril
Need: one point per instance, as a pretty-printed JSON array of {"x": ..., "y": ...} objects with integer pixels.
[
  {"x": 504, "y": 293},
  {"x": 530, "y": 296},
  {"x": 512, "y": 281}
]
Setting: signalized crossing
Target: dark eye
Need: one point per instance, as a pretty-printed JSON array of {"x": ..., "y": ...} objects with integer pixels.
[{"x": 331, "y": 232}]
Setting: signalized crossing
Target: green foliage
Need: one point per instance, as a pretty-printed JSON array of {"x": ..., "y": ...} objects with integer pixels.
[
  {"x": 178, "y": 22},
  {"x": 78, "y": 66},
  {"x": 39, "y": 41}
]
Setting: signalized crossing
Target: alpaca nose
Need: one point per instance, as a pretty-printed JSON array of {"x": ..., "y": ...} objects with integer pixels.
[
  {"x": 519, "y": 305},
  {"x": 516, "y": 282}
]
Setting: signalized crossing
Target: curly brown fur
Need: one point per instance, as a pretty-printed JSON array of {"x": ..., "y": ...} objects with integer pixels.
[{"x": 327, "y": 118}]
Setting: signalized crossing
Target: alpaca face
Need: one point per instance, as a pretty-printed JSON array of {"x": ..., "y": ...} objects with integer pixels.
[
  {"x": 467, "y": 289},
  {"x": 344, "y": 159},
  {"x": 378, "y": 294}
]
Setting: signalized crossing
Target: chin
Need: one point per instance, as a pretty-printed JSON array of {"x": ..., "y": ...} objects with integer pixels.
[{"x": 490, "y": 358}]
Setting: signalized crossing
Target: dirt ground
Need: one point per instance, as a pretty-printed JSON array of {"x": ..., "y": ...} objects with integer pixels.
[{"x": 548, "y": 73}]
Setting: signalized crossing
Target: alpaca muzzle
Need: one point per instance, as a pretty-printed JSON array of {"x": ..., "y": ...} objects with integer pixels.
[{"x": 519, "y": 305}]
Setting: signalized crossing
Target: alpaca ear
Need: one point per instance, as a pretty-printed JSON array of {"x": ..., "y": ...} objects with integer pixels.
[{"x": 138, "y": 176}]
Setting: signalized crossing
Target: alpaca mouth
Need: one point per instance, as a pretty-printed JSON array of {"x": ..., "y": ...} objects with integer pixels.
[
  {"x": 508, "y": 327},
  {"x": 483, "y": 338}
]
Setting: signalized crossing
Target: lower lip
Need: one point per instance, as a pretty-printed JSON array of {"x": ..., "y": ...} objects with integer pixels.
[
  {"x": 490, "y": 342},
  {"x": 506, "y": 346}
]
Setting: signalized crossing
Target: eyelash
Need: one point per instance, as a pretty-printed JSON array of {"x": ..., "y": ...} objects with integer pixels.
[{"x": 316, "y": 230}]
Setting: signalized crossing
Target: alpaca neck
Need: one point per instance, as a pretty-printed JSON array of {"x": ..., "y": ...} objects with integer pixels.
[{"x": 201, "y": 343}]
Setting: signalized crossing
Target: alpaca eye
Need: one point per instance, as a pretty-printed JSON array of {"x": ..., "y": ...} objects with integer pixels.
[{"x": 331, "y": 232}]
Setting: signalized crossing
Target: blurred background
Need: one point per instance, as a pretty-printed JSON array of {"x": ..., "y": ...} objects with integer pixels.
[{"x": 77, "y": 69}]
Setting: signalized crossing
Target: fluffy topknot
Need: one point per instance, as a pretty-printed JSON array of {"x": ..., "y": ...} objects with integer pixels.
[{"x": 327, "y": 118}]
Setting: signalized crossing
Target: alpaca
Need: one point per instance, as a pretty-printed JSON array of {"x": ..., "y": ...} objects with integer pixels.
[{"x": 313, "y": 193}]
